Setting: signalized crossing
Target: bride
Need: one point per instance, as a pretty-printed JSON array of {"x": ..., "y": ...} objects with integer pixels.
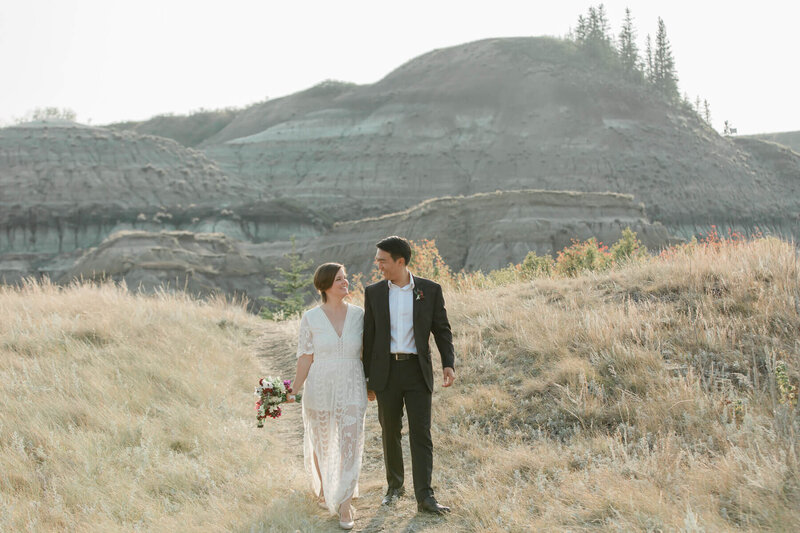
[{"x": 335, "y": 396}]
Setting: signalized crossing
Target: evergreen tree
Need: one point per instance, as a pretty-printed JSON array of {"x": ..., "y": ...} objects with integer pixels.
[
  {"x": 581, "y": 30},
  {"x": 707, "y": 112},
  {"x": 628, "y": 51},
  {"x": 649, "y": 67},
  {"x": 602, "y": 27},
  {"x": 593, "y": 34},
  {"x": 292, "y": 285},
  {"x": 687, "y": 101},
  {"x": 665, "y": 77}
]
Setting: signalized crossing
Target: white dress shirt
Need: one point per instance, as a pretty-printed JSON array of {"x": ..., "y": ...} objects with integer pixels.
[{"x": 401, "y": 317}]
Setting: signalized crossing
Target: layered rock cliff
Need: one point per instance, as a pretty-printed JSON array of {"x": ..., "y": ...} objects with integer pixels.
[
  {"x": 66, "y": 187},
  {"x": 483, "y": 231}
]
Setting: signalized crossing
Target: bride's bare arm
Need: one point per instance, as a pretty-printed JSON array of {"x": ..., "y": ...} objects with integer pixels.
[{"x": 303, "y": 364}]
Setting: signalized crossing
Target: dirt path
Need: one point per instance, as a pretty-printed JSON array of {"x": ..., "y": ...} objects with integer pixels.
[{"x": 276, "y": 353}]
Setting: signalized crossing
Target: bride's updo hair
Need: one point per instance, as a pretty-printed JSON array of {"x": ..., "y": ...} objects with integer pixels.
[{"x": 324, "y": 276}]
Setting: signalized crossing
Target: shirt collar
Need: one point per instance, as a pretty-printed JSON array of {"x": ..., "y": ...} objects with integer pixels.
[{"x": 408, "y": 287}]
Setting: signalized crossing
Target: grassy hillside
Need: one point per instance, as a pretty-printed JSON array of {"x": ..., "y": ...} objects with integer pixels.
[
  {"x": 659, "y": 395},
  {"x": 123, "y": 412}
]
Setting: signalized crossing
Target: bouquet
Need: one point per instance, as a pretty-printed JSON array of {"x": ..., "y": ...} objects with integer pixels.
[{"x": 270, "y": 393}]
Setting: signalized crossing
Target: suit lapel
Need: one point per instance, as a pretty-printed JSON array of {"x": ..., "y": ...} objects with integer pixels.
[
  {"x": 417, "y": 303},
  {"x": 384, "y": 293}
]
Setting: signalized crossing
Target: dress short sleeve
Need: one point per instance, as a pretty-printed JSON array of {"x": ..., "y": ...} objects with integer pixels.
[{"x": 305, "y": 343}]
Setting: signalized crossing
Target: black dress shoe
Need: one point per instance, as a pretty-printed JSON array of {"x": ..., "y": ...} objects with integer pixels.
[
  {"x": 392, "y": 495},
  {"x": 430, "y": 505}
]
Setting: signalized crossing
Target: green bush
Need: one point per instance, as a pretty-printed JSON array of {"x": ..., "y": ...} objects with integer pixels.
[
  {"x": 426, "y": 262},
  {"x": 504, "y": 276},
  {"x": 537, "y": 265},
  {"x": 628, "y": 247},
  {"x": 583, "y": 255}
]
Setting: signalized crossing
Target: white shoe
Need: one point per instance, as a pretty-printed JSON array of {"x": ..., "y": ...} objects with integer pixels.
[{"x": 351, "y": 523}]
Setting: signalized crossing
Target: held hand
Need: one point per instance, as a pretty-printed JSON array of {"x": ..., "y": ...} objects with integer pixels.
[
  {"x": 449, "y": 376},
  {"x": 290, "y": 398},
  {"x": 371, "y": 395}
]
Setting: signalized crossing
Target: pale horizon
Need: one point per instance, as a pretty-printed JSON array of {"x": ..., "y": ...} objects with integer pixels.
[{"x": 113, "y": 63}]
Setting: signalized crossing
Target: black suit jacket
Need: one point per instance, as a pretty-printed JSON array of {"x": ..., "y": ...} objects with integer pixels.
[{"x": 430, "y": 316}]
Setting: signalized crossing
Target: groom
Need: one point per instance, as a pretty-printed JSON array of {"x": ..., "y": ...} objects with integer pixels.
[{"x": 400, "y": 313}]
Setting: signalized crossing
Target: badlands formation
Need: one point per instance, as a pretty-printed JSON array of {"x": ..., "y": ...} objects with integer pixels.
[
  {"x": 505, "y": 114},
  {"x": 483, "y": 231},
  {"x": 436, "y": 149},
  {"x": 64, "y": 188}
]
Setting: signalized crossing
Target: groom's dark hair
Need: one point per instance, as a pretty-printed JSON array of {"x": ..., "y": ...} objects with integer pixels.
[{"x": 397, "y": 247}]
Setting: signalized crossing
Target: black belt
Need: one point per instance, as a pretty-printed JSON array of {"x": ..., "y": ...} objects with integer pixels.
[{"x": 402, "y": 356}]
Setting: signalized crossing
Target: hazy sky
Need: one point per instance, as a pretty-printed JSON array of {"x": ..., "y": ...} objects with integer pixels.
[{"x": 113, "y": 60}]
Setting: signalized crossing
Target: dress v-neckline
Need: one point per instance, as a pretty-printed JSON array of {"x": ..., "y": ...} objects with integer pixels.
[{"x": 344, "y": 322}]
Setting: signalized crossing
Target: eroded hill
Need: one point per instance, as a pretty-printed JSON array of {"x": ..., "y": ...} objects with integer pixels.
[
  {"x": 65, "y": 187},
  {"x": 502, "y": 114}
]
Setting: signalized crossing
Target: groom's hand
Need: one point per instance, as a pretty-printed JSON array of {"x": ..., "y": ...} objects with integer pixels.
[
  {"x": 371, "y": 395},
  {"x": 449, "y": 376}
]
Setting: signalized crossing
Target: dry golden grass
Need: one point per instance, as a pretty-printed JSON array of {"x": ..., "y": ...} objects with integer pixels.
[
  {"x": 125, "y": 412},
  {"x": 644, "y": 398}
]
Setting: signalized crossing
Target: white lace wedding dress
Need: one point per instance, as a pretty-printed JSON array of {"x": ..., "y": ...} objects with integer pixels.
[{"x": 334, "y": 403}]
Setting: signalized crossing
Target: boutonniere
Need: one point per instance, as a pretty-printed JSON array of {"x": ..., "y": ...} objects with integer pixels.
[{"x": 418, "y": 294}]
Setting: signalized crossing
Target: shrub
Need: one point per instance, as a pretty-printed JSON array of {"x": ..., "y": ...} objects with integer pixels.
[
  {"x": 583, "y": 255},
  {"x": 427, "y": 263},
  {"x": 533, "y": 266},
  {"x": 628, "y": 247},
  {"x": 787, "y": 392},
  {"x": 504, "y": 276},
  {"x": 537, "y": 265}
]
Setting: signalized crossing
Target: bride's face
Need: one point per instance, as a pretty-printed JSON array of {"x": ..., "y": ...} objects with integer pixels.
[{"x": 340, "y": 287}]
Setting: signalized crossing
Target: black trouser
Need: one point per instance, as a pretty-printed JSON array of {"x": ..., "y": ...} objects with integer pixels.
[{"x": 406, "y": 385}]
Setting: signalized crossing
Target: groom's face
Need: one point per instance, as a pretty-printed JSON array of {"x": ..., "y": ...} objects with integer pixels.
[{"x": 390, "y": 269}]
